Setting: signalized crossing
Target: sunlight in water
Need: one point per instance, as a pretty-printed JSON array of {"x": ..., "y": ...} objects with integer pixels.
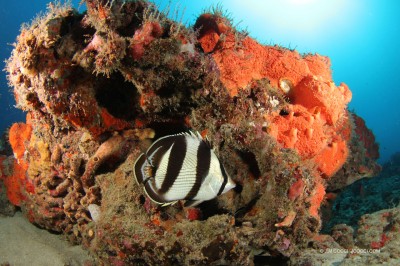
[
  {"x": 310, "y": 19},
  {"x": 301, "y": 2}
]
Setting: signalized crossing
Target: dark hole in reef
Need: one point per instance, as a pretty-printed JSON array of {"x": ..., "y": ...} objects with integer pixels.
[
  {"x": 283, "y": 112},
  {"x": 168, "y": 128},
  {"x": 80, "y": 33},
  {"x": 170, "y": 87},
  {"x": 142, "y": 199},
  {"x": 119, "y": 97},
  {"x": 269, "y": 260},
  {"x": 210, "y": 208},
  {"x": 72, "y": 24},
  {"x": 252, "y": 96},
  {"x": 250, "y": 159},
  {"x": 81, "y": 169},
  {"x": 296, "y": 114},
  {"x": 179, "y": 86}
]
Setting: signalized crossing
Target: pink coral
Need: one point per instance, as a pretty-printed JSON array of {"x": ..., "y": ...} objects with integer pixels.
[{"x": 143, "y": 37}]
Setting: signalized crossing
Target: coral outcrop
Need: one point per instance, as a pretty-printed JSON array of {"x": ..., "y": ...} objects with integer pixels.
[
  {"x": 98, "y": 86},
  {"x": 376, "y": 242},
  {"x": 313, "y": 119}
]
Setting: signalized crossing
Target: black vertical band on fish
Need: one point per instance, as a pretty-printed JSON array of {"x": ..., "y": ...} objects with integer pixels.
[
  {"x": 181, "y": 166},
  {"x": 225, "y": 180},
  {"x": 202, "y": 168},
  {"x": 174, "y": 164},
  {"x": 158, "y": 149}
]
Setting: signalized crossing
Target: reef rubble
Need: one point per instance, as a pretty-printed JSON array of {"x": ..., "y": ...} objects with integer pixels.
[{"x": 99, "y": 86}]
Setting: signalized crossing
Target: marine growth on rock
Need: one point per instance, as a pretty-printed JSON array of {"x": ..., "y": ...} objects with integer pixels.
[{"x": 98, "y": 87}]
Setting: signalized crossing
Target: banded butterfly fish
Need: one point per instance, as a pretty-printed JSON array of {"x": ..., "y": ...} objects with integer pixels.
[{"x": 181, "y": 167}]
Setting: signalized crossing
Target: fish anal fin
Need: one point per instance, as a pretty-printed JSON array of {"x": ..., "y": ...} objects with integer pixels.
[{"x": 169, "y": 203}]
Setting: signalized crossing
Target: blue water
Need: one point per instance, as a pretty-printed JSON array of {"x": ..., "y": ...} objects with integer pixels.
[{"x": 361, "y": 37}]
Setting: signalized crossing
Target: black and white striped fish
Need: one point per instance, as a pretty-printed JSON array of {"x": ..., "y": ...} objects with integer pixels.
[{"x": 181, "y": 167}]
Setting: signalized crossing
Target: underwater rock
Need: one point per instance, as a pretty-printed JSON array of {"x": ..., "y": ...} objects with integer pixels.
[
  {"x": 98, "y": 85},
  {"x": 343, "y": 235},
  {"x": 364, "y": 196},
  {"x": 378, "y": 235},
  {"x": 379, "y": 230},
  {"x": 376, "y": 242},
  {"x": 6, "y": 207}
]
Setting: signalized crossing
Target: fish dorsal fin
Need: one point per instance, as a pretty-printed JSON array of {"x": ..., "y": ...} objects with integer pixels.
[
  {"x": 196, "y": 135},
  {"x": 191, "y": 134},
  {"x": 199, "y": 137}
]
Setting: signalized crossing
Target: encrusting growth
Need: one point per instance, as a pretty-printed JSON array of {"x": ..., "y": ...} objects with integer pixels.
[{"x": 98, "y": 87}]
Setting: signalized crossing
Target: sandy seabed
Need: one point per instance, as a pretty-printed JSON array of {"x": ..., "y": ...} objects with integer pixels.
[{"x": 22, "y": 243}]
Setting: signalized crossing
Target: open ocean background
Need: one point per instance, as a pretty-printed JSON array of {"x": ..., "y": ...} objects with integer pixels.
[{"x": 361, "y": 37}]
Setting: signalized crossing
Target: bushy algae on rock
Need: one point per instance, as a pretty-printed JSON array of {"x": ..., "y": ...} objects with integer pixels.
[{"x": 96, "y": 86}]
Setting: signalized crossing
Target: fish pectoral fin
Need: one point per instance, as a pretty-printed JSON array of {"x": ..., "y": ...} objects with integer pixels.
[{"x": 192, "y": 203}]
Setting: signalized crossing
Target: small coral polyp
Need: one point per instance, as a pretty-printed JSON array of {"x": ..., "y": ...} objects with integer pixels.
[
  {"x": 285, "y": 85},
  {"x": 98, "y": 87}
]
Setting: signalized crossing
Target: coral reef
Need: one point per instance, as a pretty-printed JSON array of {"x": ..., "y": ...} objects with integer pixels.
[{"x": 98, "y": 85}]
